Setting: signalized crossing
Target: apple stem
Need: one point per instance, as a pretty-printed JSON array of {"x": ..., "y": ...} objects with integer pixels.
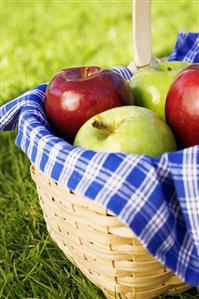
[
  {"x": 169, "y": 68},
  {"x": 102, "y": 126},
  {"x": 86, "y": 72}
]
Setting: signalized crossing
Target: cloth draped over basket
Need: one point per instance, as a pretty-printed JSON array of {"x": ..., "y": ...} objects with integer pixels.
[{"x": 158, "y": 198}]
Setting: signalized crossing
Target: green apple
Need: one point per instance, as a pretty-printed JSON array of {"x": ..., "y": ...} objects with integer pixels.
[
  {"x": 130, "y": 129},
  {"x": 151, "y": 84}
]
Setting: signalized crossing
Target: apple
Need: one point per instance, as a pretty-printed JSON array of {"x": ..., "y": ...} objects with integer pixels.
[
  {"x": 130, "y": 129},
  {"x": 76, "y": 94},
  {"x": 182, "y": 106},
  {"x": 151, "y": 84}
]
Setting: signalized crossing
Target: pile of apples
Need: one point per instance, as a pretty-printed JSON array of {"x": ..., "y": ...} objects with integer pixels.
[{"x": 156, "y": 111}]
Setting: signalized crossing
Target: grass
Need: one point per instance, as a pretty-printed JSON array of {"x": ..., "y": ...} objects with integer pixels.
[{"x": 39, "y": 38}]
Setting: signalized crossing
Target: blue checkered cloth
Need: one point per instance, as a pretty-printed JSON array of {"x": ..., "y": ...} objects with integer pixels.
[
  {"x": 186, "y": 47},
  {"x": 158, "y": 198}
]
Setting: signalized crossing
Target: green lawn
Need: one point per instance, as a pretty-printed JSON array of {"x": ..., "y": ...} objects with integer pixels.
[{"x": 38, "y": 38}]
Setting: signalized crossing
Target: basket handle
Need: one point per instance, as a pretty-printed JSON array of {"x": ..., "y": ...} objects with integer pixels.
[{"x": 142, "y": 49}]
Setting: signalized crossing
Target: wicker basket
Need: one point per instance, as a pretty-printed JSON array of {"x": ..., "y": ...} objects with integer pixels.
[
  {"x": 94, "y": 239},
  {"x": 101, "y": 246}
]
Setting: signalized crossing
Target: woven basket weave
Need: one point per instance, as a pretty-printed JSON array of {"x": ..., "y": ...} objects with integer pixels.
[
  {"x": 94, "y": 239},
  {"x": 101, "y": 246}
]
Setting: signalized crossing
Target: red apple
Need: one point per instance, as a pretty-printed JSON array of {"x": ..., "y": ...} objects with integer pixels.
[
  {"x": 76, "y": 94},
  {"x": 182, "y": 106}
]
